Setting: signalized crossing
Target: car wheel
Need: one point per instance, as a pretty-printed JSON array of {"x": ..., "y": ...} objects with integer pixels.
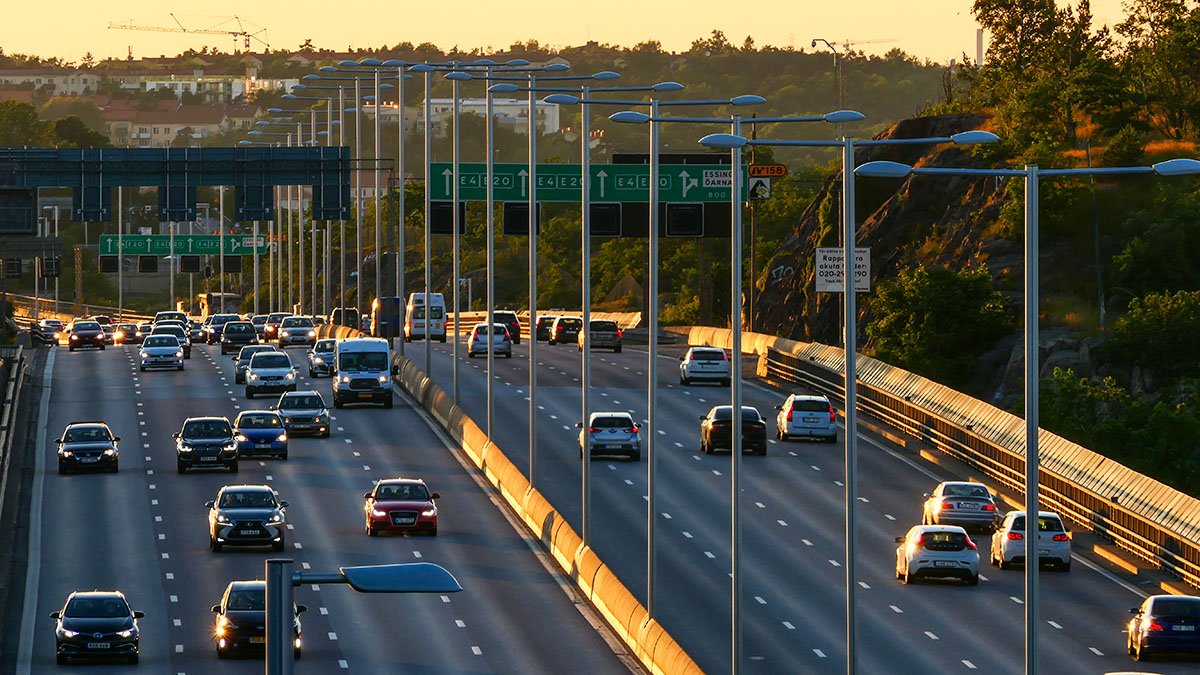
[
  {"x": 101, "y": 347},
  {"x": 233, "y": 466},
  {"x": 617, "y": 349},
  {"x": 1140, "y": 653},
  {"x": 238, "y": 380},
  {"x": 71, "y": 349},
  {"x": 249, "y": 392},
  {"x": 221, "y": 653},
  {"x": 973, "y": 580},
  {"x": 62, "y": 469},
  {"x": 635, "y": 457},
  {"x": 115, "y": 467},
  {"x": 142, "y": 368},
  {"x": 725, "y": 383},
  {"x": 704, "y": 449},
  {"x": 213, "y": 544},
  {"x": 326, "y": 434},
  {"x": 311, "y": 373},
  {"x": 296, "y": 654},
  {"x": 508, "y": 355},
  {"x": 470, "y": 354},
  {"x": 762, "y": 453},
  {"x": 337, "y": 402},
  {"x": 278, "y": 546},
  {"x": 180, "y": 367},
  {"x": 685, "y": 381},
  {"x": 389, "y": 402},
  {"x": 1000, "y": 563},
  {"x": 433, "y": 532},
  {"x": 551, "y": 342},
  {"x": 284, "y": 455},
  {"x": 61, "y": 659},
  {"x": 907, "y": 577},
  {"x": 371, "y": 532},
  {"x": 1065, "y": 567}
]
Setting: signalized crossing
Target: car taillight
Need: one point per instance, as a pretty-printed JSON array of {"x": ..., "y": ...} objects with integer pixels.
[
  {"x": 989, "y": 507},
  {"x": 620, "y": 333},
  {"x": 1015, "y": 536},
  {"x": 631, "y": 430},
  {"x": 692, "y": 357},
  {"x": 947, "y": 506},
  {"x": 832, "y": 414},
  {"x": 971, "y": 544},
  {"x": 1154, "y": 626},
  {"x": 592, "y": 430},
  {"x": 724, "y": 356},
  {"x": 1062, "y": 537},
  {"x": 789, "y": 417}
]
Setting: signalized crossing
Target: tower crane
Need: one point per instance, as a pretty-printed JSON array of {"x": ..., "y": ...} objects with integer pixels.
[
  {"x": 847, "y": 44},
  {"x": 221, "y": 28}
]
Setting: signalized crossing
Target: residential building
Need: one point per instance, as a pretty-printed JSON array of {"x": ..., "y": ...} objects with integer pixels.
[{"x": 58, "y": 82}]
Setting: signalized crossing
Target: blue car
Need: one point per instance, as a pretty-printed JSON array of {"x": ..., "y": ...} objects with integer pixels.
[
  {"x": 320, "y": 358},
  {"x": 1164, "y": 624},
  {"x": 260, "y": 432}
]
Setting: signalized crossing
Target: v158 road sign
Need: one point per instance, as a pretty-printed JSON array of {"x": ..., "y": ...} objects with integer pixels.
[
  {"x": 561, "y": 182},
  {"x": 768, "y": 170},
  {"x": 203, "y": 244}
]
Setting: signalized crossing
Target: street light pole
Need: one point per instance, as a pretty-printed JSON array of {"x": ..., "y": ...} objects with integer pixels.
[
  {"x": 358, "y": 199},
  {"x": 400, "y": 198},
  {"x": 377, "y": 190},
  {"x": 455, "y": 78},
  {"x": 428, "y": 232}
]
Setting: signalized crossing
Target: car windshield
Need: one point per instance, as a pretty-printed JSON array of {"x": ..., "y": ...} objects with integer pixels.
[
  {"x": 546, "y": 320},
  {"x": 86, "y": 325},
  {"x": 1044, "y": 524},
  {"x": 362, "y": 361},
  {"x": 505, "y": 317},
  {"x": 434, "y": 313},
  {"x": 749, "y": 414},
  {"x": 277, "y": 317},
  {"x": 246, "y": 499},
  {"x": 302, "y": 402},
  {"x": 1178, "y": 607},
  {"x": 206, "y": 429},
  {"x": 128, "y": 327},
  {"x": 259, "y": 320},
  {"x": 222, "y": 319},
  {"x": 325, "y": 346},
  {"x": 496, "y": 330},
  {"x": 82, "y": 434},
  {"x": 168, "y": 330},
  {"x": 810, "y": 406},
  {"x": 97, "y": 608},
  {"x": 570, "y": 323},
  {"x": 247, "y": 352},
  {"x": 297, "y": 322},
  {"x": 235, "y": 328},
  {"x": 161, "y": 341},
  {"x": 612, "y": 422},
  {"x": 707, "y": 355},
  {"x": 966, "y": 491},
  {"x": 604, "y": 325},
  {"x": 944, "y": 541},
  {"x": 259, "y": 421},
  {"x": 401, "y": 491},
  {"x": 246, "y": 601},
  {"x": 266, "y": 360}
]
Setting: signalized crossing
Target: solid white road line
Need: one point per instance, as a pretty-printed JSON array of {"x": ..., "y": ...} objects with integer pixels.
[{"x": 33, "y": 570}]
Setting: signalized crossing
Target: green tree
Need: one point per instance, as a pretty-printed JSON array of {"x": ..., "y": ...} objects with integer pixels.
[
  {"x": 68, "y": 106},
  {"x": 1159, "y": 333},
  {"x": 71, "y": 132},
  {"x": 19, "y": 125},
  {"x": 1159, "y": 62},
  {"x": 936, "y": 321}
]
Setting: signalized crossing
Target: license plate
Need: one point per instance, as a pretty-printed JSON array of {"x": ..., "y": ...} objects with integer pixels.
[
  {"x": 405, "y": 521},
  {"x": 89, "y": 459},
  {"x": 263, "y": 446},
  {"x": 943, "y": 563},
  {"x": 811, "y": 420},
  {"x": 364, "y": 396},
  {"x": 968, "y": 505},
  {"x": 1043, "y": 551},
  {"x": 249, "y": 533},
  {"x": 612, "y": 447},
  {"x": 1184, "y": 628},
  {"x": 208, "y": 459},
  {"x": 106, "y": 645},
  {"x": 257, "y": 640}
]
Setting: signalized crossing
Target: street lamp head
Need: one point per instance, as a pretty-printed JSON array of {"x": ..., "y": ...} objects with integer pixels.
[
  {"x": 606, "y": 75},
  {"x": 883, "y": 169},
  {"x": 556, "y": 67},
  {"x": 723, "y": 141},
  {"x": 517, "y": 63},
  {"x": 629, "y": 117},
  {"x": 814, "y": 44},
  {"x": 243, "y": 142},
  {"x": 458, "y": 75},
  {"x": 393, "y": 63},
  {"x": 843, "y": 116},
  {"x": 311, "y": 76},
  {"x": 327, "y": 69},
  {"x": 747, "y": 99},
  {"x": 323, "y": 132},
  {"x": 667, "y": 86},
  {"x": 290, "y": 96},
  {"x": 255, "y": 132},
  {"x": 974, "y": 137},
  {"x": 483, "y": 62},
  {"x": 262, "y": 123},
  {"x": 347, "y": 63},
  {"x": 503, "y": 88},
  {"x": 387, "y": 85},
  {"x": 561, "y": 99},
  {"x": 421, "y": 68},
  {"x": 374, "y": 63},
  {"x": 297, "y": 87},
  {"x": 1177, "y": 167}
]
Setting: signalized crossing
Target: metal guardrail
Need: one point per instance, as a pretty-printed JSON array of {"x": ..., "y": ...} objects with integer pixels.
[
  {"x": 1151, "y": 520},
  {"x": 27, "y": 307},
  {"x": 12, "y": 369}
]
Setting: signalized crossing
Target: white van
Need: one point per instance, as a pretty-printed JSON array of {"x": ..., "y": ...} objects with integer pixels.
[
  {"x": 363, "y": 372},
  {"x": 422, "y": 325}
]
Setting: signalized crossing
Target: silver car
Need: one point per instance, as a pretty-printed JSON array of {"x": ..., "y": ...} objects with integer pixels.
[
  {"x": 246, "y": 515},
  {"x": 704, "y": 364},
  {"x": 242, "y": 361},
  {"x": 937, "y": 551},
  {"x": 297, "y": 330},
  {"x": 1054, "y": 541},
  {"x": 806, "y": 416},
  {"x": 161, "y": 351},
  {"x": 601, "y": 334},
  {"x": 270, "y": 372},
  {"x": 304, "y": 412},
  {"x": 960, "y": 503},
  {"x": 478, "y": 342},
  {"x": 610, "y": 433},
  {"x": 320, "y": 358}
]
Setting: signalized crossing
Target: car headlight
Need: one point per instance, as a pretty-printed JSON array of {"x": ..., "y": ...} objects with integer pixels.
[
  {"x": 125, "y": 633},
  {"x": 75, "y": 337},
  {"x": 383, "y": 379},
  {"x": 377, "y": 513},
  {"x": 57, "y": 335},
  {"x": 67, "y": 632},
  {"x": 179, "y": 354},
  {"x": 276, "y": 518},
  {"x": 185, "y": 449},
  {"x": 282, "y": 438},
  {"x": 229, "y": 447},
  {"x": 285, "y": 333},
  {"x": 65, "y": 453},
  {"x": 345, "y": 379},
  {"x": 431, "y": 511},
  {"x": 317, "y": 359},
  {"x": 223, "y": 519},
  {"x": 240, "y": 438},
  {"x": 109, "y": 452},
  {"x": 253, "y": 376},
  {"x": 289, "y": 376},
  {"x": 312, "y": 333}
]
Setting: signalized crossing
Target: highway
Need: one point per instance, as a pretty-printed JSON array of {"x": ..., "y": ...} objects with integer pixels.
[
  {"x": 144, "y": 531},
  {"x": 792, "y": 535}
]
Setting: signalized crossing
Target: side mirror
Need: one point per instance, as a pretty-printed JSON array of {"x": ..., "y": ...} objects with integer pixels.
[
  {"x": 1132, "y": 610},
  {"x": 54, "y": 615},
  {"x": 58, "y": 440},
  {"x": 300, "y": 609},
  {"x": 702, "y": 418},
  {"x": 209, "y": 504},
  {"x": 579, "y": 425},
  {"x": 274, "y": 407},
  {"x": 234, "y": 359},
  {"x": 116, "y": 439},
  {"x": 216, "y": 608},
  {"x": 366, "y": 495},
  {"x": 682, "y": 359},
  {"x": 899, "y": 540},
  {"x": 925, "y": 495},
  {"x": 283, "y": 504},
  {"x": 175, "y": 435},
  {"x": 779, "y": 407},
  {"x": 395, "y": 369},
  {"x": 436, "y": 495},
  {"x": 139, "y": 615}
]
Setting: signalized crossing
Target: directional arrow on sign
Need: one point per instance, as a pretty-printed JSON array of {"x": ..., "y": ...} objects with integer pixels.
[
  {"x": 448, "y": 174},
  {"x": 524, "y": 182},
  {"x": 602, "y": 176},
  {"x": 687, "y": 184}
]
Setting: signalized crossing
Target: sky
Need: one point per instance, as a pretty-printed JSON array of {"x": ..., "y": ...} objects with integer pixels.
[{"x": 938, "y": 30}]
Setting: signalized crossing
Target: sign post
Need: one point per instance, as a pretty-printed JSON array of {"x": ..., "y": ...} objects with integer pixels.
[{"x": 829, "y": 270}]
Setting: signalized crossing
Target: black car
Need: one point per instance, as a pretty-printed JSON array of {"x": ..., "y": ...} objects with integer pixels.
[
  {"x": 242, "y": 619},
  {"x": 237, "y": 334},
  {"x": 565, "y": 329},
  {"x": 206, "y": 442},
  {"x": 86, "y": 334},
  {"x": 511, "y": 322},
  {"x": 96, "y": 625},
  {"x": 214, "y": 328},
  {"x": 46, "y": 331},
  {"x": 246, "y": 515},
  {"x": 180, "y": 333},
  {"x": 542, "y": 330},
  {"x": 87, "y": 445},
  {"x": 716, "y": 430},
  {"x": 260, "y": 324}
]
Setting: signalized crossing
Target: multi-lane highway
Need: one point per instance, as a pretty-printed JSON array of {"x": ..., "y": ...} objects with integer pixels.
[
  {"x": 793, "y": 535},
  {"x": 144, "y": 531}
]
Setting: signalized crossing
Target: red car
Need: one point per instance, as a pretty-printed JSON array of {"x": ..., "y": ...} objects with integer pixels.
[{"x": 400, "y": 505}]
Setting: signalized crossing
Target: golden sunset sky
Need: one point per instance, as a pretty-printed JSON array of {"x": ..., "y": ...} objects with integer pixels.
[{"x": 938, "y": 30}]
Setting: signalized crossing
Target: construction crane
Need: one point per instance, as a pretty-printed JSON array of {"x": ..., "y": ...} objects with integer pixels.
[
  {"x": 222, "y": 28},
  {"x": 847, "y": 44}
]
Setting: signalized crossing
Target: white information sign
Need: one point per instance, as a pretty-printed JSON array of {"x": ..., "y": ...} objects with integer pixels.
[{"x": 829, "y": 270}]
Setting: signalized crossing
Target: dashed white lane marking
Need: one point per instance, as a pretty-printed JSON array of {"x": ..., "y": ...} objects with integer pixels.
[
  {"x": 896, "y": 609},
  {"x": 178, "y": 649},
  {"x": 305, "y": 565},
  {"x": 166, "y": 556},
  {"x": 316, "y": 587},
  {"x": 357, "y": 454},
  {"x": 820, "y": 654},
  {"x": 324, "y": 611},
  {"x": 760, "y": 505},
  {"x": 1055, "y": 624},
  {"x": 332, "y": 636},
  {"x": 628, "y": 482},
  {"x": 1016, "y": 599},
  {"x": 1095, "y": 651},
  {"x": 864, "y": 585},
  {"x": 169, "y": 576},
  {"x": 445, "y": 598},
  {"x": 348, "y": 440},
  {"x": 788, "y": 625},
  {"x": 678, "y": 444},
  {"x": 759, "y": 600},
  {"x": 864, "y": 500},
  {"x": 476, "y": 650},
  {"x": 270, "y": 477},
  {"x": 554, "y": 417},
  {"x": 666, "y": 515},
  {"x": 697, "y": 458},
  {"x": 460, "y": 623},
  {"x": 807, "y": 542},
  {"x": 982, "y": 578},
  {"x": 687, "y": 534},
  {"x": 839, "y": 483},
  {"x": 366, "y": 467},
  {"x": 174, "y": 598},
  {"x": 291, "y": 526},
  {"x": 158, "y": 519},
  {"x": 149, "y": 472},
  {"x": 177, "y": 622},
  {"x": 341, "y": 429},
  {"x": 343, "y": 664},
  {"x": 709, "y": 554},
  {"x": 416, "y": 554},
  {"x": 889, "y": 516},
  {"x": 154, "y": 502},
  {"x": 661, "y": 432},
  {"x": 716, "y": 473},
  {"x": 152, "y": 486},
  {"x": 782, "y": 523},
  {"x": 297, "y": 544},
  {"x": 147, "y": 458},
  {"x": 930, "y": 634},
  {"x": 968, "y": 664},
  {"x": 835, "y": 563}
]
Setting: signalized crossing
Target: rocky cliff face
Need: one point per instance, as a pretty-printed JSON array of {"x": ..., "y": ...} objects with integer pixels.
[{"x": 930, "y": 220}]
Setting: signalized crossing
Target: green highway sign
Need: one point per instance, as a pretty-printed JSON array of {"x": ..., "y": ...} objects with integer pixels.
[
  {"x": 185, "y": 244},
  {"x": 561, "y": 182}
]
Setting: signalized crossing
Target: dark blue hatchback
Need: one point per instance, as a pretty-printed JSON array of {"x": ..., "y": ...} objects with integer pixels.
[{"x": 260, "y": 432}]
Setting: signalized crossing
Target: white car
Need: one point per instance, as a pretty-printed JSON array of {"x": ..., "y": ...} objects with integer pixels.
[
  {"x": 161, "y": 351},
  {"x": 937, "y": 551},
  {"x": 1054, "y": 541},
  {"x": 478, "y": 342},
  {"x": 806, "y": 416},
  {"x": 297, "y": 330},
  {"x": 704, "y": 364}
]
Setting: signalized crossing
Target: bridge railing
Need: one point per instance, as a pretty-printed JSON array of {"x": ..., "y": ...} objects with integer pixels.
[{"x": 1153, "y": 521}]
